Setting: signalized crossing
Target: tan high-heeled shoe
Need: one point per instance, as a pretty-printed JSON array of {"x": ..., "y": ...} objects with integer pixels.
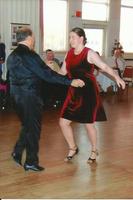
[
  {"x": 75, "y": 150},
  {"x": 93, "y": 156}
]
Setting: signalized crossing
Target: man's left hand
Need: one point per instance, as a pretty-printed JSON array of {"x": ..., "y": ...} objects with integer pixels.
[{"x": 77, "y": 83}]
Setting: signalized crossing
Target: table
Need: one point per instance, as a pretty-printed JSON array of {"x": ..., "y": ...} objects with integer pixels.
[{"x": 105, "y": 81}]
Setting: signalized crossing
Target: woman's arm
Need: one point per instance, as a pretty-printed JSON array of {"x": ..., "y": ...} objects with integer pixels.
[
  {"x": 63, "y": 70},
  {"x": 94, "y": 58}
]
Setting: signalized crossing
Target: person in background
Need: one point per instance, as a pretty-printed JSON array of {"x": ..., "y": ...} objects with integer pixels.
[
  {"x": 2, "y": 56},
  {"x": 83, "y": 105},
  {"x": 55, "y": 94},
  {"x": 51, "y": 61},
  {"x": 119, "y": 62},
  {"x": 26, "y": 72}
]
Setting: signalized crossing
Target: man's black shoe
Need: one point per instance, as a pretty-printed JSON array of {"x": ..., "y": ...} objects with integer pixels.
[
  {"x": 33, "y": 167},
  {"x": 16, "y": 158}
]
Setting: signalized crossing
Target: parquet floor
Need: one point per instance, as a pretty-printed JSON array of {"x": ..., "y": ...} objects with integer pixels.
[{"x": 110, "y": 177}]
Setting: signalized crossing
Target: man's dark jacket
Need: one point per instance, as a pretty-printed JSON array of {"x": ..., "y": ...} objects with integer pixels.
[{"x": 27, "y": 70}]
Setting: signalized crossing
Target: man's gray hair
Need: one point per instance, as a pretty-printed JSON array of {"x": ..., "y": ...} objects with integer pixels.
[{"x": 23, "y": 33}]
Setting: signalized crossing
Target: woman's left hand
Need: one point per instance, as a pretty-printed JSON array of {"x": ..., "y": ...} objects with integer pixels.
[{"x": 120, "y": 83}]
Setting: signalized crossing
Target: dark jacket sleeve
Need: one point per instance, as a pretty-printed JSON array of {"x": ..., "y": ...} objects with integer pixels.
[{"x": 38, "y": 67}]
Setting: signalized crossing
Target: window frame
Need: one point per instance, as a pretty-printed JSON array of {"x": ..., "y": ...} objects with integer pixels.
[
  {"x": 101, "y": 21},
  {"x": 66, "y": 39},
  {"x": 127, "y": 55},
  {"x": 90, "y": 24},
  {"x": 95, "y": 24}
]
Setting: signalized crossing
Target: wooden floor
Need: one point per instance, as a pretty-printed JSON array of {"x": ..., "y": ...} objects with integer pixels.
[{"x": 110, "y": 177}]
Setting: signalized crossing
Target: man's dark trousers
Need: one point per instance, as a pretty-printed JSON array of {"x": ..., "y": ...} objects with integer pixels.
[{"x": 29, "y": 109}]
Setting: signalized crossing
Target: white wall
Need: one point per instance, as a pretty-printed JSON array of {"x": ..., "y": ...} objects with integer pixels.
[
  {"x": 74, "y": 6},
  {"x": 113, "y": 25},
  {"x": 18, "y": 11}
]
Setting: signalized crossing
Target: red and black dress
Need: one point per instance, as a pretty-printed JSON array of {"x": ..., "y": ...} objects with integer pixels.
[{"x": 82, "y": 104}]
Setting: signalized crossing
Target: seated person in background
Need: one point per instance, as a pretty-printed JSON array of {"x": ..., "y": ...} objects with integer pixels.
[
  {"x": 117, "y": 61},
  {"x": 51, "y": 61},
  {"x": 55, "y": 93}
]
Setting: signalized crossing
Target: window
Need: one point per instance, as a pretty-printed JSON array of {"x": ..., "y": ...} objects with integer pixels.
[
  {"x": 126, "y": 32},
  {"x": 95, "y": 39},
  {"x": 54, "y": 22},
  {"x": 95, "y": 21},
  {"x": 95, "y": 10}
]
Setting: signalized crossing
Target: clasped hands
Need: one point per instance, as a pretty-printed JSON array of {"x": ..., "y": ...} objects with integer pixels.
[{"x": 77, "y": 83}]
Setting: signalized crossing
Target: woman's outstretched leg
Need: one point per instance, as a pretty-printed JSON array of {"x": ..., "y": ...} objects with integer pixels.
[{"x": 67, "y": 131}]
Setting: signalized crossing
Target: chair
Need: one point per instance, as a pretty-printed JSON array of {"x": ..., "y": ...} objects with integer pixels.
[{"x": 128, "y": 76}]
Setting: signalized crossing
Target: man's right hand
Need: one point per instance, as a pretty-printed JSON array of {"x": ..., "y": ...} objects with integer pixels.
[{"x": 77, "y": 83}]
